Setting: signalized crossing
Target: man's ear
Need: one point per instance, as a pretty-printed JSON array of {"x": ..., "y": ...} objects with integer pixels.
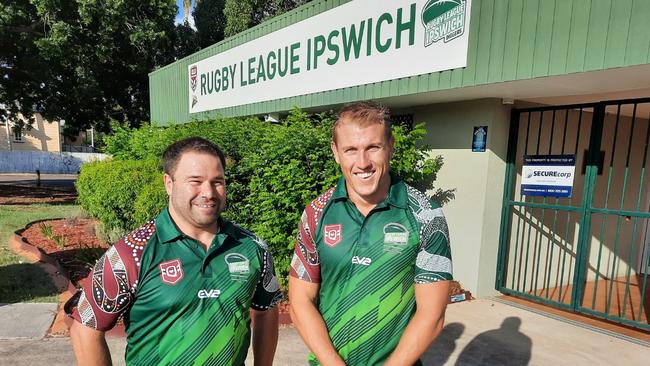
[
  {"x": 391, "y": 146},
  {"x": 169, "y": 183},
  {"x": 335, "y": 151}
]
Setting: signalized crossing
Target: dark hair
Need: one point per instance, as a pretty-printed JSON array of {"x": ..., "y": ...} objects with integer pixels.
[
  {"x": 173, "y": 152},
  {"x": 364, "y": 113}
]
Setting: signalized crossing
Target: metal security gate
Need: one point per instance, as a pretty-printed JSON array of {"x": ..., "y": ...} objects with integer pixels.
[{"x": 589, "y": 252}]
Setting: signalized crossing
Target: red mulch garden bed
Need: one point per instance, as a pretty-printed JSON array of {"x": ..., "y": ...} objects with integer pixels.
[{"x": 76, "y": 251}]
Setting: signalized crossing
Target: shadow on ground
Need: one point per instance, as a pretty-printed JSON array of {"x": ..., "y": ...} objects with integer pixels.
[
  {"x": 26, "y": 195},
  {"x": 24, "y": 282},
  {"x": 503, "y": 346}
]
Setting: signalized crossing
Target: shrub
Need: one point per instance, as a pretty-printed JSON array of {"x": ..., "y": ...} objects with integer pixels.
[
  {"x": 273, "y": 171},
  {"x": 291, "y": 167},
  {"x": 109, "y": 189},
  {"x": 46, "y": 230},
  {"x": 60, "y": 241},
  {"x": 236, "y": 137},
  {"x": 109, "y": 236},
  {"x": 151, "y": 200}
]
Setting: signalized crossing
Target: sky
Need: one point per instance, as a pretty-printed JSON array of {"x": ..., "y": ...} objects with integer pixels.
[{"x": 179, "y": 15}]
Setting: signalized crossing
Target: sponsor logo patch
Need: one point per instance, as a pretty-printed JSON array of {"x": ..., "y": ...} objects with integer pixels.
[
  {"x": 332, "y": 234},
  {"x": 396, "y": 236},
  {"x": 238, "y": 266},
  {"x": 443, "y": 20},
  {"x": 171, "y": 271}
]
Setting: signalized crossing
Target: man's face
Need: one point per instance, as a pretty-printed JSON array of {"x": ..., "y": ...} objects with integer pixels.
[
  {"x": 363, "y": 153},
  {"x": 197, "y": 191}
]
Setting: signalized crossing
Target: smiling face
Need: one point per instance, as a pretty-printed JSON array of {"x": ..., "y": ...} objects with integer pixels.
[
  {"x": 363, "y": 152},
  {"x": 197, "y": 192}
]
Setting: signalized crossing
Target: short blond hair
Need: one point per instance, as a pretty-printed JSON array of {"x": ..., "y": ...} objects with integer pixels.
[{"x": 363, "y": 114}]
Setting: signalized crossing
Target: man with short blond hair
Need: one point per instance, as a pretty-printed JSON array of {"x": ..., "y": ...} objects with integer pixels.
[{"x": 370, "y": 274}]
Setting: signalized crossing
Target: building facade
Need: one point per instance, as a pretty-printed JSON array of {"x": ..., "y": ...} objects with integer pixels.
[
  {"x": 539, "y": 109},
  {"x": 42, "y": 135}
]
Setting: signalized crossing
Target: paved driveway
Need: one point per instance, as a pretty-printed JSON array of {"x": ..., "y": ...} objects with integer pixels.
[{"x": 479, "y": 332}]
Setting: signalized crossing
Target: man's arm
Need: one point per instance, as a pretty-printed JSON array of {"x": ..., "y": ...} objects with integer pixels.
[
  {"x": 265, "y": 336},
  {"x": 426, "y": 324},
  {"x": 89, "y": 346},
  {"x": 303, "y": 297}
]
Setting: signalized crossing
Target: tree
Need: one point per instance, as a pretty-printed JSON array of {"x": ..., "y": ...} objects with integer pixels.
[
  {"x": 210, "y": 21},
  {"x": 85, "y": 61},
  {"x": 21, "y": 68},
  {"x": 186, "y": 41},
  {"x": 243, "y": 14}
]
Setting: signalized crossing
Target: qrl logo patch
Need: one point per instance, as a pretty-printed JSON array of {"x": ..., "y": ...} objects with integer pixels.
[
  {"x": 332, "y": 234},
  {"x": 171, "y": 271},
  {"x": 193, "y": 74}
]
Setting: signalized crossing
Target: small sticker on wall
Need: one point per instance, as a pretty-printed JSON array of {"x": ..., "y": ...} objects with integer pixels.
[{"x": 479, "y": 138}]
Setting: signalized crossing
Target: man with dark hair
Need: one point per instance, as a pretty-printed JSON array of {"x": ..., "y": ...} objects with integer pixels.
[
  {"x": 183, "y": 282},
  {"x": 370, "y": 274}
]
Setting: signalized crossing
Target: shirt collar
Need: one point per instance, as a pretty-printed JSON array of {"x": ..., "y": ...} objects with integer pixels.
[
  {"x": 168, "y": 232},
  {"x": 397, "y": 196}
]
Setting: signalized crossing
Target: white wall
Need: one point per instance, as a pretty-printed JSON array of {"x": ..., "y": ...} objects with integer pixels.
[
  {"x": 45, "y": 162},
  {"x": 474, "y": 215}
]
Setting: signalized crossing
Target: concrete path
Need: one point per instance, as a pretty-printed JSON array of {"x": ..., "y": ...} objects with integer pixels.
[
  {"x": 489, "y": 332},
  {"x": 479, "y": 332},
  {"x": 26, "y": 321}
]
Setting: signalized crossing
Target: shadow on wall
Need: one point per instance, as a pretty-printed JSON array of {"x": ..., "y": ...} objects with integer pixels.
[
  {"x": 503, "y": 346},
  {"x": 439, "y": 196}
]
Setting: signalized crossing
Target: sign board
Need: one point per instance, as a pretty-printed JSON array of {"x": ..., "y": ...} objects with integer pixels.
[
  {"x": 548, "y": 175},
  {"x": 357, "y": 43},
  {"x": 479, "y": 139}
]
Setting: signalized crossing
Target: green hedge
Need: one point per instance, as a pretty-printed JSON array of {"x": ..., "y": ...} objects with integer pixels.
[
  {"x": 109, "y": 190},
  {"x": 273, "y": 171}
]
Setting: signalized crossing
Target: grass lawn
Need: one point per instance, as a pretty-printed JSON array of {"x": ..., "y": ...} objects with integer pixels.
[{"x": 21, "y": 281}]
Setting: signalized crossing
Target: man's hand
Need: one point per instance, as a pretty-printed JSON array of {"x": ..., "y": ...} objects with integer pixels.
[
  {"x": 431, "y": 302},
  {"x": 89, "y": 346},
  {"x": 303, "y": 297},
  {"x": 265, "y": 336}
]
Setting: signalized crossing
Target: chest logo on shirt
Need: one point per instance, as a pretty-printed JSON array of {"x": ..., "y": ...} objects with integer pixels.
[
  {"x": 332, "y": 234},
  {"x": 171, "y": 271},
  {"x": 396, "y": 236},
  {"x": 238, "y": 266}
]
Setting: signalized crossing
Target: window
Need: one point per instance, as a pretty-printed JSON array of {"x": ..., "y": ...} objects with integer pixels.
[
  {"x": 405, "y": 120},
  {"x": 18, "y": 133}
]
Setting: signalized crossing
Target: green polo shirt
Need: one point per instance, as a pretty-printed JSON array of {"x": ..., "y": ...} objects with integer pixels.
[
  {"x": 367, "y": 266},
  {"x": 181, "y": 304}
]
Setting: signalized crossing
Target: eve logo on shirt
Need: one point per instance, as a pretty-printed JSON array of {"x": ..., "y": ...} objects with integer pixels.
[
  {"x": 364, "y": 261},
  {"x": 332, "y": 234},
  {"x": 207, "y": 294}
]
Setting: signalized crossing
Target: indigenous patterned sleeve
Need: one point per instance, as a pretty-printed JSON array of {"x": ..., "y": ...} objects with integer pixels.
[
  {"x": 305, "y": 264},
  {"x": 433, "y": 261},
  {"x": 267, "y": 294},
  {"x": 108, "y": 290}
]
